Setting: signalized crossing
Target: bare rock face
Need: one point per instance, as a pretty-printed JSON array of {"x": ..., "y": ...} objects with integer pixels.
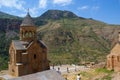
[
  {"x": 99, "y": 65},
  {"x": 57, "y": 14}
]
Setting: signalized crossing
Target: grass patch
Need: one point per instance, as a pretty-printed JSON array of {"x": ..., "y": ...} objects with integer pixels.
[
  {"x": 97, "y": 74},
  {"x": 107, "y": 73},
  {"x": 104, "y": 70}
]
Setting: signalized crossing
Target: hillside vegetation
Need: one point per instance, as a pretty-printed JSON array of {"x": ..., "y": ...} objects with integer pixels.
[
  {"x": 70, "y": 39},
  {"x": 76, "y": 40}
]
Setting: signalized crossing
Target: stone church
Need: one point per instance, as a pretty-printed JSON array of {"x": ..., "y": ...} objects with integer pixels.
[
  {"x": 113, "y": 59},
  {"x": 27, "y": 55}
]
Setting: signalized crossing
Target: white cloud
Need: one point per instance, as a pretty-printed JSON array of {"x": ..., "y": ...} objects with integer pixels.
[
  {"x": 83, "y": 7},
  {"x": 42, "y": 3},
  {"x": 88, "y": 8},
  {"x": 18, "y": 4},
  {"x": 62, "y": 2},
  {"x": 34, "y": 11}
]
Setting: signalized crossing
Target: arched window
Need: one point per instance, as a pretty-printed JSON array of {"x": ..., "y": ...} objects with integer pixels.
[
  {"x": 27, "y": 34},
  {"x": 30, "y": 34}
]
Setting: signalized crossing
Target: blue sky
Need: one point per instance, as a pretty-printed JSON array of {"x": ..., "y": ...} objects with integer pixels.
[{"x": 104, "y": 10}]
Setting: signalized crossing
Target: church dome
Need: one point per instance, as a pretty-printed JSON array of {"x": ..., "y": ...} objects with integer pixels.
[{"x": 27, "y": 21}]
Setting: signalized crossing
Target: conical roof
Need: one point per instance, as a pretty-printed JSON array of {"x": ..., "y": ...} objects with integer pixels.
[{"x": 27, "y": 21}]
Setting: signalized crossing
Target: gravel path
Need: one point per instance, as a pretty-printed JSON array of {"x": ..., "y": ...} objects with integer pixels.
[
  {"x": 116, "y": 76},
  {"x": 69, "y": 68},
  {"x": 63, "y": 69}
]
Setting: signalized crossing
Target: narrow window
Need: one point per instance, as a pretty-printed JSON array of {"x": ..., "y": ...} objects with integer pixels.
[
  {"x": 34, "y": 56},
  {"x": 118, "y": 58},
  {"x": 13, "y": 70}
]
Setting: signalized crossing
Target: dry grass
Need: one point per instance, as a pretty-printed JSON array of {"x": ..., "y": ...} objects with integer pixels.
[{"x": 91, "y": 74}]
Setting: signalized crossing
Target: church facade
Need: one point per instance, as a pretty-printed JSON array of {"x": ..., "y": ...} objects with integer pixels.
[
  {"x": 113, "y": 59},
  {"x": 27, "y": 55}
]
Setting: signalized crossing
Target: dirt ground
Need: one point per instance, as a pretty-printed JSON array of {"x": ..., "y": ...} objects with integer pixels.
[{"x": 70, "y": 73}]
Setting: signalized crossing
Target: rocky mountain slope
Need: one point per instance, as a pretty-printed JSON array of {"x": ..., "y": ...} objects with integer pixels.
[{"x": 70, "y": 38}]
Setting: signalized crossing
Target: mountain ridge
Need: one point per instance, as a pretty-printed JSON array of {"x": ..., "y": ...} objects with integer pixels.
[
  {"x": 57, "y": 14},
  {"x": 8, "y": 16},
  {"x": 7, "y": 19},
  {"x": 49, "y": 14},
  {"x": 70, "y": 38}
]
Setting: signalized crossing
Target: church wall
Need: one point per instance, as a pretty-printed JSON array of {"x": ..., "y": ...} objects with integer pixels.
[
  {"x": 23, "y": 59},
  {"x": 113, "y": 63},
  {"x": 37, "y": 50},
  {"x": 35, "y": 57},
  {"x": 45, "y": 60},
  {"x": 11, "y": 53},
  {"x": 11, "y": 66},
  {"x": 117, "y": 64},
  {"x": 19, "y": 70},
  {"x": 18, "y": 57},
  {"x": 109, "y": 62},
  {"x": 11, "y": 70}
]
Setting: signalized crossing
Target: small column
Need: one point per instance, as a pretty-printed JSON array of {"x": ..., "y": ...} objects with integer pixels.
[{"x": 20, "y": 35}]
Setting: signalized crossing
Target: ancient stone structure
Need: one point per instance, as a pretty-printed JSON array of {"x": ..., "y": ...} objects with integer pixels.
[
  {"x": 113, "y": 59},
  {"x": 27, "y": 55}
]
